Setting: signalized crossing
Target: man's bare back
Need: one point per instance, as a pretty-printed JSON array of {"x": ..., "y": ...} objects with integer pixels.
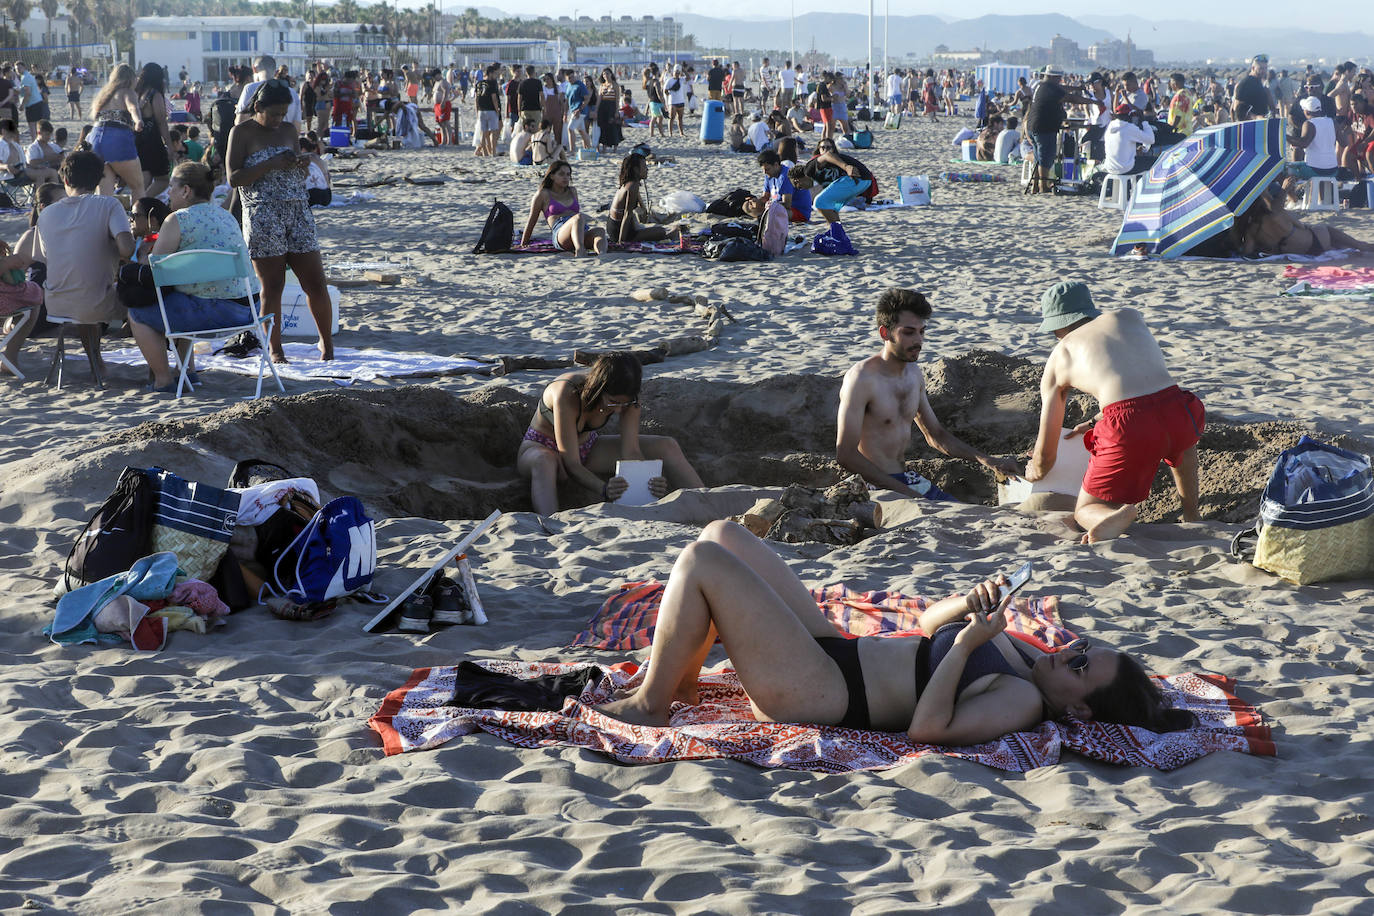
[{"x": 1113, "y": 357}]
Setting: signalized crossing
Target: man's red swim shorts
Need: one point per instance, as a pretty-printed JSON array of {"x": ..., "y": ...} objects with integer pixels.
[{"x": 1133, "y": 436}]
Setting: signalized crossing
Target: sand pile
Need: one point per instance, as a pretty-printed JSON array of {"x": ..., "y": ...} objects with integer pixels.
[{"x": 421, "y": 451}]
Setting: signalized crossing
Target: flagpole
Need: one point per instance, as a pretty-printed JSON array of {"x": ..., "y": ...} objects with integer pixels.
[
  {"x": 868, "y": 77},
  {"x": 794, "y": 32}
]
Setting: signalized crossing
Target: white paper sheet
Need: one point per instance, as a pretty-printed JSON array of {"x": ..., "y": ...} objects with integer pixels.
[
  {"x": 1065, "y": 477},
  {"x": 638, "y": 474}
]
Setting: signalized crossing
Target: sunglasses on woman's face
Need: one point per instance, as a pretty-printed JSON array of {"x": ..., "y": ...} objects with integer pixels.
[{"x": 1080, "y": 661}]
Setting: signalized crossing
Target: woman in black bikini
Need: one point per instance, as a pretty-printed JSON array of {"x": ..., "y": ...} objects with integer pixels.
[
  {"x": 968, "y": 683},
  {"x": 153, "y": 138},
  {"x": 564, "y": 439},
  {"x": 621, "y": 223}
]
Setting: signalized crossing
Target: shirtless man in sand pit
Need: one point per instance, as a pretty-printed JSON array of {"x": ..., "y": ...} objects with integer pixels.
[
  {"x": 1145, "y": 417},
  {"x": 884, "y": 393}
]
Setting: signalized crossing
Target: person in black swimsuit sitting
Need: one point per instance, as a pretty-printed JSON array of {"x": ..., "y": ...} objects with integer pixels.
[
  {"x": 966, "y": 684},
  {"x": 564, "y": 439}
]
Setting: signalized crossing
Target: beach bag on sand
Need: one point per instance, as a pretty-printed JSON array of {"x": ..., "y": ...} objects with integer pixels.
[
  {"x": 119, "y": 532},
  {"x": 833, "y": 241},
  {"x": 773, "y": 228},
  {"x": 193, "y": 520},
  {"x": 731, "y": 204},
  {"x": 914, "y": 190},
  {"x": 893, "y": 121},
  {"x": 733, "y": 250},
  {"x": 681, "y": 202},
  {"x": 497, "y": 232},
  {"x": 334, "y": 555},
  {"x": 862, "y": 139},
  {"x": 1316, "y": 518},
  {"x": 733, "y": 229}
]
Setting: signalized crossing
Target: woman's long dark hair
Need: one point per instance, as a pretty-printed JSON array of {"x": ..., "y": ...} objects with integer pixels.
[
  {"x": 1133, "y": 698},
  {"x": 629, "y": 169},
  {"x": 548, "y": 175},
  {"x": 613, "y": 373},
  {"x": 150, "y": 79}
]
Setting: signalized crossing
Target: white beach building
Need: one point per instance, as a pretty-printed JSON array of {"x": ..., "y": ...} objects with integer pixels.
[{"x": 207, "y": 46}]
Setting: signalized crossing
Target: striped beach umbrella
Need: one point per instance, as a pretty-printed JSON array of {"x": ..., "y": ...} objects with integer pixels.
[{"x": 1197, "y": 187}]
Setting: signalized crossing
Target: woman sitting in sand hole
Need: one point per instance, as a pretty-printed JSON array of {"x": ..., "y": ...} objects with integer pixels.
[
  {"x": 564, "y": 441},
  {"x": 972, "y": 683},
  {"x": 621, "y": 223},
  {"x": 556, "y": 202},
  {"x": 1267, "y": 228}
]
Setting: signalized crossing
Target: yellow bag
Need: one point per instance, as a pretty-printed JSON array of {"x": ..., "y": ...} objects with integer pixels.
[{"x": 1318, "y": 554}]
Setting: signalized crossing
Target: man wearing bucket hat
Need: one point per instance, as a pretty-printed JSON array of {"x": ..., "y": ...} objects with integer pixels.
[{"x": 1145, "y": 417}]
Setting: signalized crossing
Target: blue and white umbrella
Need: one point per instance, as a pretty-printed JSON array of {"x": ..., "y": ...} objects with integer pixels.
[{"x": 1197, "y": 187}]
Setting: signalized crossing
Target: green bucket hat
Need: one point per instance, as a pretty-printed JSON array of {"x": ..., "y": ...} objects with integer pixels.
[{"x": 1065, "y": 304}]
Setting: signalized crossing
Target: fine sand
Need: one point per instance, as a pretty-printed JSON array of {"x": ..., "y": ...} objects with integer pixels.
[{"x": 234, "y": 771}]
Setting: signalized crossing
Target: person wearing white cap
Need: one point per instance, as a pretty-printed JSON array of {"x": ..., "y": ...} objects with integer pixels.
[{"x": 1315, "y": 135}]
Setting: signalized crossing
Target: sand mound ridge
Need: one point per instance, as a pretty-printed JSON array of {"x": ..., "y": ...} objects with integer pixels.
[{"x": 420, "y": 451}]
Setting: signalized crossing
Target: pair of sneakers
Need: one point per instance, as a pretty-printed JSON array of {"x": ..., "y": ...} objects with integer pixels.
[{"x": 442, "y": 604}]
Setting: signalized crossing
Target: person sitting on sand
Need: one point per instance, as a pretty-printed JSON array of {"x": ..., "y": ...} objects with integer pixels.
[
  {"x": 556, "y": 203},
  {"x": 1266, "y": 228},
  {"x": 987, "y": 139},
  {"x": 546, "y": 145},
  {"x": 776, "y": 186},
  {"x": 973, "y": 682},
  {"x": 882, "y": 395},
  {"x": 1145, "y": 417},
  {"x": 564, "y": 440},
  {"x": 843, "y": 178},
  {"x": 621, "y": 224}
]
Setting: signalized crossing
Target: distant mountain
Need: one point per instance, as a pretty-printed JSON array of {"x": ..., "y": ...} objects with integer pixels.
[
  {"x": 1195, "y": 41},
  {"x": 846, "y": 34}
]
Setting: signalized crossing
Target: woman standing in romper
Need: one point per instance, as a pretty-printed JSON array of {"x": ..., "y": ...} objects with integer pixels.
[{"x": 267, "y": 166}]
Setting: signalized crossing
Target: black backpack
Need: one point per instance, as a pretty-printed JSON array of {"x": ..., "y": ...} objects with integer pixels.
[
  {"x": 120, "y": 532},
  {"x": 730, "y": 229},
  {"x": 731, "y": 204},
  {"x": 253, "y": 471},
  {"x": 223, "y": 116},
  {"x": 496, "y": 234},
  {"x": 734, "y": 250}
]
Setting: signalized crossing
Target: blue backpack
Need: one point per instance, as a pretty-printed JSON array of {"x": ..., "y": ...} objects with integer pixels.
[
  {"x": 833, "y": 241},
  {"x": 333, "y": 556}
]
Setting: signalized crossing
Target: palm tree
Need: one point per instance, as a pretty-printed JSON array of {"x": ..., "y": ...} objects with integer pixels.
[{"x": 18, "y": 11}]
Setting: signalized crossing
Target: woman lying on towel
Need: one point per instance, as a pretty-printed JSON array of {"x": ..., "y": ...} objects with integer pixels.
[
  {"x": 972, "y": 683},
  {"x": 556, "y": 203},
  {"x": 564, "y": 440},
  {"x": 1267, "y": 228}
]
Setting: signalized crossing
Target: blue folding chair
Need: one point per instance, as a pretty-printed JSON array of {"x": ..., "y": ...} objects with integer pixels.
[{"x": 201, "y": 265}]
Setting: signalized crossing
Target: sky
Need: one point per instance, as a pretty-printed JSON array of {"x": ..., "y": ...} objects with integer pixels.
[{"x": 1263, "y": 13}]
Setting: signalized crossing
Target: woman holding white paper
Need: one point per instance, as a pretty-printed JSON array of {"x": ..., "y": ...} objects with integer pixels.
[{"x": 564, "y": 440}]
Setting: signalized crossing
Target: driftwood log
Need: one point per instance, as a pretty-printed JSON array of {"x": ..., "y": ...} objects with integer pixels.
[{"x": 842, "y": 514}]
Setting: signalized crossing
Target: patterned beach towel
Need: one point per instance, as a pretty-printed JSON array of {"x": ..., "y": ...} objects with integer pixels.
[
  {"x": 415, "y": 717},
  {"x": 1330, "y": 282}
]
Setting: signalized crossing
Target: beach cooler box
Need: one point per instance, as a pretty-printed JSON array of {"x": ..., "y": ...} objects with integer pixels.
[
  {"x": 296, "y": 320},
  {"x": 1064, "y": 479},
  {"x": 968, "y": 150},
  {"x": 713, "y": 122},
  {"x": 339, "y": 138}
]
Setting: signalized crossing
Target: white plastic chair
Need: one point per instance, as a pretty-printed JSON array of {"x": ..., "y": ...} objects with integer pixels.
[
  {"x": 21, "y": 317},
  {"x": 201, "y": 265},
  {"x": 1123, "y": 188},
  {"x": 1322, "y": 194}
]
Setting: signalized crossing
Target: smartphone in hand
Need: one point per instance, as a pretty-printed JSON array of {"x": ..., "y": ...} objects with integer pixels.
[{"x": 1015, "y": 582}]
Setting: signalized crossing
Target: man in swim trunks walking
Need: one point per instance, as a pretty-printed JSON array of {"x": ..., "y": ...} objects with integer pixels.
[
  {"x": 1145, "y": 419},
  {"x": 884, "y": 393}
]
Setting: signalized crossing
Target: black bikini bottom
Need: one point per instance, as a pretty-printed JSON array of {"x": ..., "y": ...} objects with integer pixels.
[{"x": 845, "y": 652}]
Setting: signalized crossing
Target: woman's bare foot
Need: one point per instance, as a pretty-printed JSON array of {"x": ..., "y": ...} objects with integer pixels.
[
  {"x": 279, "y": 356},
  {"x": 326, "y": 353},
  {"x": 631, "y": 710}
]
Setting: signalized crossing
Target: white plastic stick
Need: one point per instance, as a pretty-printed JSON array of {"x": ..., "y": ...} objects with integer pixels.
[{"x": 443, "y": 561}]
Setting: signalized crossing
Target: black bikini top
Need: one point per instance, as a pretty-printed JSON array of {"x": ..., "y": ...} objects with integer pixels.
[
  {"x": 982, "y": 661},
  {"x": 546, "y": 412}
]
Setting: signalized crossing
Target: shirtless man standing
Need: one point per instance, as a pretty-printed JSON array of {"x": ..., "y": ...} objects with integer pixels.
[
  {"x": 1145, "y": 417},
  {"x": 884, "y": 393}
]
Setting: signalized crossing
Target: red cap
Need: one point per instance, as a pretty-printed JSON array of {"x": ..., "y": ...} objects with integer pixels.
[{"x": 1124, "y": 110}]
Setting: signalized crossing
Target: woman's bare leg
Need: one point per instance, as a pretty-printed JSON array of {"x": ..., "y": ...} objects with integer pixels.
[
  {"x": 272, "y": 278},
  {"x": 540, "y": 465},
  {"x": 132, "y": 174},
  {"x": 786, "y": 674},
  {"x": 680, "y": 473},
  {"x": 309, "y": 270}
]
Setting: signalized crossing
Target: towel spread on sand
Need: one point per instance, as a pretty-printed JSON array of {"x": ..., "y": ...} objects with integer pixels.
[
  {"x": 1330, "y": 282},
  {"x": 1338, "y": 254},
  {"x": 417, "y": 716},
  {"x": 348, "y": 366}
]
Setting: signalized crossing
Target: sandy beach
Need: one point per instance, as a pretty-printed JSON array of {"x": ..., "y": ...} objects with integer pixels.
[{"x": 235, "y": 772}]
